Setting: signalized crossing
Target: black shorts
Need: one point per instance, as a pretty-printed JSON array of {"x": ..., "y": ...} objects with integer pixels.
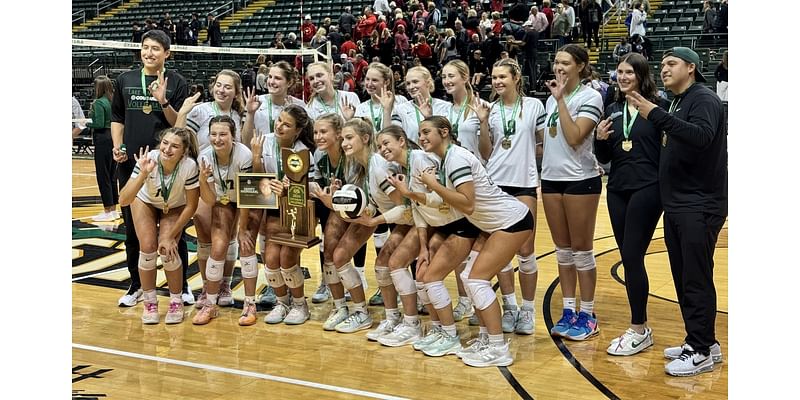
[
  {"x": 586, "y": 186},
  {"x": 519, "y": 191},
  {"x": 461, "y": 227},
  {"x": 383, "y": 227},
  {"x": 322, "y": 213},
  {"x": 273, "y": 213},
  {"x": 524, "y": 224}
]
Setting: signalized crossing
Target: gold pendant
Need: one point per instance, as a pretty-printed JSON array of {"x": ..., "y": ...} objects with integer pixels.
[
  {"x": 444, "y": 208},
  {"x": 407, "y": 214},
  {"x": 224, "y": 200},
  {"x": 506, "y": 143},
  {"x": 166, "y": 209},
  {"x": 553, "y": 131},
  {"x": 627, "y": 145},
  {"x": 147, "y": 108}
]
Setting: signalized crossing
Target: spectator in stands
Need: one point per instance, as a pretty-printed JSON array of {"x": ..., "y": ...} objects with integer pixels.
[
  {"x": 452, "y": 14},
  {"x": 721, "y": 22},
  {"x": 335, "y": 37},
  {"x": 366, "y": 23},
  {"x": 399, "y": 20},
  {"x": 560, "y": 27},
  {"x": 136, "y": 36},
  {"x": 539, "y": 21},
  {"x": 591, "y": 25},
  {"x": 530, "y": 43},
  {"x": 77, "y": 114},
  {"x": 348, "y": 84},
  {"x": 472, "y": 24},
  {"x": 261, "y": 80},
  {"x": 104, "y": 165},
  {"x": 149, "y": 25},
  {"x": 478, "y": 67},
  {"x": 432, "y": 36},
  {"x": 164, "y": 21},
  {"x": 361, "y": 68},
  {"x": 485, "y": 23},
  {"x": 497, "y": 6},
  {"x": 382, "y": 26},
  {"x": 423, "y": 51},
  {"x": 386, "y": 51},
  {"x": 569, "y": 13},
  {"x": 548, "y": 13},
  {"x": 638, "y": 17},
  {"x": 214, "y": 32},
  {"x": 721, "y": 75},
  {"x": 338, "y": 76},
  {"x": 348, "y": 44},
  {"x": 398, "y": 66},
  {"x": 434, "y": 17},
  {"x": 474, "y": 44},
  {"x": 462, "y": 39},
  {"x": 497, "y": 23},
  {"x": 491, "y": 49},
  {"x": 401, "y": 45},
  {"x": 347, "y": 21},
  {"x": 194, "y": 30},
  {"x": 169, "y": 28},
  {"x": 307, "y": 30},
  {"x": 320, "y": 38},
  {"x": 291, "y": 41},
  {"x": 182, "y": 31},
  {"x": 622, "y": 48},
  {"x": 381, "y": 6},
  {"x": 347, "y": 65},
  {"x": 709, "y": 16},
  {"x": 449, "y": 50},
  {"x": 638, "y": 45}
]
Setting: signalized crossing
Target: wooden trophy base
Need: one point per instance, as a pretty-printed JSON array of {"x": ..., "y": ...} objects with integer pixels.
[
  {"x": 303, "y": 242},
  {"x": 304, "y": 236}
]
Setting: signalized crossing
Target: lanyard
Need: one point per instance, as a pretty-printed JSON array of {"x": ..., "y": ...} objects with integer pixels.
[
  {"x": 271, "y": 121},
  {"x": 416, "y": 110},
  {"x": 510, "y": 127},
  {"x": 442, "y": 175},
  {"x": 335, "y": 103},
  {"x": 144, "y": 87},
  {"x": 626, "y": 127},
  {"x": 554, "y": 117},
  {"x": 458, "y": 116},
  {"x": 377, "y": 121},
  {"x": 165, "y": 190},
  {"x": 215, "y": 107},
  {"x": 336, "y": 174},
  {"x": 278, "y": 159},
  {"x": 224, "y": 183}
]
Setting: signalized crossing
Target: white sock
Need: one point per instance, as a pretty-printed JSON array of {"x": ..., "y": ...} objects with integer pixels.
[
  {"x": 284, "y": 299},
  {"x": 411, "y": 319},
  {"x": 587, "y": 306},
  {"x": 496, "y": 339},
  {"x": 528, "y": 304},
  {"x": 450, "y": 329},
  {"x": 212, "y": 298},
  {"x": 250, "y": 299},
  {"x": 510, "y": 299},
  {"x": 483, "y": 330},
  {"x": 360, "y": 307},
  {"x": 569, "y": 303},
  {"x": 150, "y": 296},
  {"x": 298, "y": 301},
  {"x": 339, "y": 303},
  {"x": 436, "y": 323},
  {"x": 392, "y": 314},
  {"x": 175, "y": 298}
]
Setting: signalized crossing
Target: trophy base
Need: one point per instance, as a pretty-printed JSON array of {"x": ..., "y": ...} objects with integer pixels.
[{"x": 303, "y": 242}]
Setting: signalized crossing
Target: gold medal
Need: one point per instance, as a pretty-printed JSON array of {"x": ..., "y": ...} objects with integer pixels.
[
  {"x": 407, "y": 214},
  {"x": 627, "y": 145},
  {"x": 224, "y": 200},
  {"x": 444, "y": 208},
  {"x": 147, "y": 108},
  {"x": 166, "y": 209},
  {"x": 553, "y": 131},
  {"x": 506, "y": 143}
]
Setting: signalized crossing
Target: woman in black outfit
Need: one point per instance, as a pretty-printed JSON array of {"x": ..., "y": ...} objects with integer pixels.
[{"x": 632, "y": 145}]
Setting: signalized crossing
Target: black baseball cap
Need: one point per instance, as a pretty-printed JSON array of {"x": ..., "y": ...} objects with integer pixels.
[{"x": 688, "y": 55}]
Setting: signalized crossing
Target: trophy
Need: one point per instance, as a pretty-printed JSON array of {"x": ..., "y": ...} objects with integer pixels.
[{"x": 297, "y": 211}]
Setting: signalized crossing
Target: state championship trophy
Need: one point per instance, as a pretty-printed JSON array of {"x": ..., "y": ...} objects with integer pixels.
[{"x": 297, "y": 211}]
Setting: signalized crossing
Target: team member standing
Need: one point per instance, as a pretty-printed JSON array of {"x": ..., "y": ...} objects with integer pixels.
[
  {"x": 571, "y": 186},
  {"x": 141, "y": 107},
  {"x": 632, "y": 145},
  {"x": 162, "y": 194},
  {"x": 693, "y": 176},
  {"x": 419, "y": 85}
]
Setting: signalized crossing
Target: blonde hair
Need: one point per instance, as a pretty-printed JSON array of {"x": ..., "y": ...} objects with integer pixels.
[
  {"x": 426, "y": 75},
  {"x": 327, "y": 68},
  {"x": 463, "y": 70},
  {"x": 386, "y": 73},
  {"x": 362, "y": 128}
]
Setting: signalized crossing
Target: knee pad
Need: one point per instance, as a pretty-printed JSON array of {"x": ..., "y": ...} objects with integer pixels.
[
  {"x": 203, "y": 251},
  {"x": 383, "y": 276},
  {"x": 293, "y": 277},
  {"x": 527, "y": 264},
  {"x": 507, "y": 268},
  {"x": 482, "y": 294},
  {"x": 422, "y": 293},
  {"x": 214, "y": 269},
  {"x": 275, "y": 278},
  {"x": 329, "y": 274},
  {"x": 403, "y": 282},
  {"x": 349, "y": 276},
  {"x": 173, "y": 265},
  {"x": 233, "y": 250},
  {"x": 583, "y": 260},
  {"x": 380, "y": 238},
  {"x": 262, "y": 243},
  {"x": 438, "y": 295},
  {"x": 147, "y": 261},
  {"x": 249, "y": 267},
  {"x": 564, "y": 256}
]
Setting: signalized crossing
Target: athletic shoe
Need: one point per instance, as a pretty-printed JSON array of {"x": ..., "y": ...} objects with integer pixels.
[
  {"x": 526, "y": 321},
  {"x": 421, "y": 309},
  {"x": 187, "y": 297},
  {"x": 225, "y": 298},
  {"x": 474, "y": 345},
  {"x": 385, "y": 327},
  {"x": 104, "y": 217},
  {"x": 673, "y": 353},
  {"x": 116, "y": 214},
  {"x": 174, "y": 313},
  {"x": 205, "y": 315},
  {"x": 278, "y": 314},
  {"x": 463, "y": 309},
  {"x": 402, "y": 335},
  {"x": 493, "y": 355},
  {"x": 268, "y": 298},
  {"x": 689, "y": 363},
  {"x": 322, "y": 294},
  {"x": 131, "y": 297},
  {"x": 431, "y": 336},
  {"x": 509, "y": 318},
  {"x": 198, "y": 304},
  {"x": 150, "y": 313},
  {"x": 563, "y": 325},
  {"x": 298, "y": 314},
  {"x": 248, "y": 315},
  {"x": 336, "y": 316},
  {"x": 443, "y": 346},
  {"x": 584, "y": 328},
  {"x": 306, "y": 273},
  {"x": 630, "y": 343},
  {"x": 376, "y": 299},
  {"x": 473, "y": 320},
  {"x": 357, "y": 321}
]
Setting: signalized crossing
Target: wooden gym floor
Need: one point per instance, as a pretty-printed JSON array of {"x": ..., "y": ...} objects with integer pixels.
[{"x": 115, "y": 356}]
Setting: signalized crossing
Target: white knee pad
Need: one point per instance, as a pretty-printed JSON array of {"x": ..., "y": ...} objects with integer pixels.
[
  {"x": 293, "y": 277},
  {"x": 349, "y": 276},
  {"x": 214, "y": 269},
  {"x": 422, "y": 293},
  {"x": 173, "y": 265},
  {"x": 147, "y": 261},
  {"x": 203, "y": 251},
  {"x": 249, "y": 267},
  {"x": 507, "y": 268},
  {"x": 275, "y": 278},
  {"x": 438, "y": 295},
  {"x": 329, "y": 274},
  {"x": 403, "y": 282},
  {"x": 564, "y": 256},
  {"x": 262, "y": 243},
  {"x": 233, "y": 250},
  {"x": 583, "y": 260},
  {"x": 380, "y": 238},
  {"x": 383, "y": 276},
  {"x": 482, "y": 294},
  {"x": 527, "y": 264}
]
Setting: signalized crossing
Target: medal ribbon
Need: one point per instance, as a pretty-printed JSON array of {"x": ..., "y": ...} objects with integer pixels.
[
  {"x": 335, "y": 103},
  {"x": 377, "y": 121},
  {"x": 458, "y": 116},
  {"x": 279, "y": 158},
  {"x": 165, "y": 190},
  {"x": 441, "y": 173},
  {"x": 507, "y": 126},
  {"x": 224, "y": 183},
  {"x": 554, "y": 117},
  {"x": 416, "y": 110},
  {"x": 328, "y": 177},
  {"x": 626, "y": 127},
  {"x": 144, "y": 87},
  {"x": 271, "y": 121}
]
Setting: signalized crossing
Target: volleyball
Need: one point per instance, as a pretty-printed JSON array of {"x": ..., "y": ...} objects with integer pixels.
[{"x": 350, "y": 201}]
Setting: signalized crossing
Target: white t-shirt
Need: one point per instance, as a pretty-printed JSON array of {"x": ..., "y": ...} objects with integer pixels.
[
  {"x": 424, "y": 215},
  {"x": 469, "y": 129},
  {"x": 515, "y": 166},
  {"x": 242, "y": 161},
  {"x": 560, "y": 161},
  {"x": 199, "y": 118},
  {"x": 317, "y": 108},
  {"x": 374, "y": 111},
  {"x": 262, "y": 117},
  {"x": 186, "y": 178},
  {"x": 410, "y": 116},
  {"x": 271, "y": 155}
]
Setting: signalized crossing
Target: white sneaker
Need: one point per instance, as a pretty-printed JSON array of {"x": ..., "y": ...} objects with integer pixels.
[
  {"x": 298, "y": 314},
  {"x": 526, "y": 321},
  {"x": 402, "y": 335},
  {"x": 443, "y": 346},
  {"x": 463, "y": 309},
  {"x": 278, "y": 314},
  {"x": 509, "y": 319},
  {"x": 357, "y": 321},
  {"x": 150, "y": 313},
  {"x": 188, "y": 298},
  {"x": 474, "y": 345},
  {"x": 493, "y": 355},
  {"x": 104, "y": 217},
  {"x": 630, "y": 343},
  {"x": 384, "y": 328},
  {"x": 431, "y": 336},
  {"x": 336, "y": 316},
  {"x": 673, "y": 353},
  {"x": 174, "y": 313},
  {"x": 130, "y": 299},
  {"x": 116, "y": 214},
  {"x": 689, "y": 363},
  {"x": 322, "y": 294}
]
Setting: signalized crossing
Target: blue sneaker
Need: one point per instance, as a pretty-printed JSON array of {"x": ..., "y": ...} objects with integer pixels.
[
  {"x": 564, "y": 324},
  {"x": 584, "y": 328}
]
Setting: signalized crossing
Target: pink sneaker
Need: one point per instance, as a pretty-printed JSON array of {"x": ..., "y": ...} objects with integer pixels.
[
  {"x": 150, "y": 313},
  {"x": 175, "y": 313}
]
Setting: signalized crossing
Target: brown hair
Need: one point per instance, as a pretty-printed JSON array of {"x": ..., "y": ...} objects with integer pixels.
[
  {"x": 304, "y": 123},
  {"x": 238, "y": 98},
  {"x": 289, "y": 73},
  {"x": 398, "y": 133},
  {"x": 103, "y": 87},
  {"x": 225, "y": 120},
  {"x": 442, "y": 123},
  {"x": 580, "y": 56},
  {"x": 188, "y": 138},
  {"x": 647, "y": 85}
]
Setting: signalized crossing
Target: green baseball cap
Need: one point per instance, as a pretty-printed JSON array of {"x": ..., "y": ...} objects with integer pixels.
[{"x": 688, "y": 55}]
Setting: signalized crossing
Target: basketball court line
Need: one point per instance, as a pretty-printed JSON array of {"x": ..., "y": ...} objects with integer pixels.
[
  {"x": 249, "y": 374},
  {"x": 99, "y": 273}
]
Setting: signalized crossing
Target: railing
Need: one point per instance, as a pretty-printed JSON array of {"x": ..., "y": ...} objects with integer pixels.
[
  {"x": 79, "y": 16},
  {"x": 105, "y": 4},
  {"x": 227, "y": 8}
]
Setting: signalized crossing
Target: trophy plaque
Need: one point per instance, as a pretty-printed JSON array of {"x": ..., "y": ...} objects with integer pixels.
[{"x": 297, "y": 211}]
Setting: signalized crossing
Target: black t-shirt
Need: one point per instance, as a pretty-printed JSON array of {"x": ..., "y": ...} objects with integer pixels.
[{"x": 126, "y": 107}]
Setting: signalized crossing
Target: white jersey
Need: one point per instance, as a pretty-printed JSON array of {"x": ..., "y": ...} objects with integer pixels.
[
  {"x": 186, "y": 178},
  {"x": 410, "y": 116},
  {"x": 317, "y": 108},
  {"x": 325, "y": 170},
  {"x": 378, "y": 188},
  {"x": 201, "y": 115},
  {"x": 561, "y": 162},
  {"x": 374, "y": 111},
  {"x": 494, "y": 208},
  {"x": 469, "y": 128},
  {"x": 515, "y": 166},
  {"x": 271, "y": 156},
  {"x": 241, "y": 161},
  {"x": 263, "y": 114},
  {"x": 428, "y": 216}
]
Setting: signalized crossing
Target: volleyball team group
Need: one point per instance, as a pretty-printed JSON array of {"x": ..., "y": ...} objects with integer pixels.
[{"x": 456, "y": 183}]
